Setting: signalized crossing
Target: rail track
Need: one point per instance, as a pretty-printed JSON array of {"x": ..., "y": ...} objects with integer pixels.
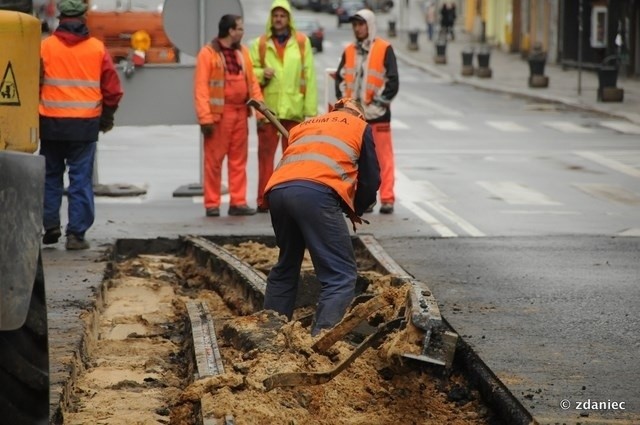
[{"x": 177, "y": 336}]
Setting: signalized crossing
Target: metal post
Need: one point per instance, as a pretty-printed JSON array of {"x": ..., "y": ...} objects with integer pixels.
[{"x": 580, "y": 29}]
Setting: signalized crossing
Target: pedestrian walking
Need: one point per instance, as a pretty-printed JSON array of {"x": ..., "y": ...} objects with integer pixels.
[
  {"x": 430, "y": 17},
  {"x": 284, "y": 65},
  {"x": 329, "y": 169},
  {"x": 447, "y": 20},
  {"x": 79, "y": 94},
  {"x": 368, "y": 72},
  {"x": 224, "y": 80}
]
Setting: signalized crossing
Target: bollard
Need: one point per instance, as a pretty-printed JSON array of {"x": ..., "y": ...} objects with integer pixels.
[
  {"x": 391, "y": 31},
  {"x": 483, "y": 70},
  {"x": 467, "y": 62},
  {"x": 537, "y": 60},
  {"x": 413, "y": 40},
  {"x": 441, "y": 51},
  {"x": 607, "y": 79}
]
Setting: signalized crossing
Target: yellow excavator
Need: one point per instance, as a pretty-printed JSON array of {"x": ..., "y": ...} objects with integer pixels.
[{"x": 24, "y": 359}]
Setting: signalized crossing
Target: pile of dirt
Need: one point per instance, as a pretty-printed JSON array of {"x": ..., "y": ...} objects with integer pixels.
[{"x": 139, "y": 371}]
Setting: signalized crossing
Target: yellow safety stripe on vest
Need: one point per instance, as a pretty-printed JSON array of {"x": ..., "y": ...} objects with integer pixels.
[
  {"x": 302, "y": 42},
  {"x": 316, "y": 157},
  {"x": 216, "y": 101},
  {"x": 70, "y": 83},
  {"x": 216, "y": 83},
  {"x": 348, "y": 150}
]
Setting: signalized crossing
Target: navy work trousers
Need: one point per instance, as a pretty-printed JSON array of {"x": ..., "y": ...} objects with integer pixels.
[
  {"x": 303, "y": 216},
  {"x": 79, "y": 157}
]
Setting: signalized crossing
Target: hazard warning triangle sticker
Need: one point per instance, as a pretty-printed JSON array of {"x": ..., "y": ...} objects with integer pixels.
[{"x": 9, "y": 88}]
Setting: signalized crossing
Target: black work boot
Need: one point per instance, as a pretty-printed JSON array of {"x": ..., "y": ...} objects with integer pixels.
[
  {"x": 75, "y": 242},
  {"x": 241, "y": 210},
  {"x": 51, "y": 236}
]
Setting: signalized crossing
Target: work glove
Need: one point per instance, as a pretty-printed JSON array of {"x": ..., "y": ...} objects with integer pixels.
[
  {"x": 351, "y": 215},
  {"x": 107, "y": 118},
  {"x": 206, "y": 129}
]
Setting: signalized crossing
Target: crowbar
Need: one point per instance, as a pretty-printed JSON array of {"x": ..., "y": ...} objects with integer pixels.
[{"x": 264, "y": 110}]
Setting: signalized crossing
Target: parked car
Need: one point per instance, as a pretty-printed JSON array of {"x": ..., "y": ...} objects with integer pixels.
[
  {"x": 347, "y": 9},
  {"x": 311, "y": 27},
  {"x": 380, "y": 5},
  {"x": 300, "y": 4}
]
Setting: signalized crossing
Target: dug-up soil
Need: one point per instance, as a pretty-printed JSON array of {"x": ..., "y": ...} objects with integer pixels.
[{"x": 138, "y": 366}]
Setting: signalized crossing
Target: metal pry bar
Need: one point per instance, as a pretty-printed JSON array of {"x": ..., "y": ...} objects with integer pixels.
[{"x": 264, "y": 110}]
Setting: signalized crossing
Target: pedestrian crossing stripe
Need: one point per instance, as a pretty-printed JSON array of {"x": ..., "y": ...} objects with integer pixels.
[{"x": 9, "y": 88}]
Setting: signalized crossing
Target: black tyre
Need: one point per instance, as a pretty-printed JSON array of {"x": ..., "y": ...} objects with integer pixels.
[{"x": 24, "y": 364}]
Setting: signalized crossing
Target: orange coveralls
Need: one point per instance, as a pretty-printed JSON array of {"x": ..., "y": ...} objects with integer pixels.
[{"x": 230, "y": 136}]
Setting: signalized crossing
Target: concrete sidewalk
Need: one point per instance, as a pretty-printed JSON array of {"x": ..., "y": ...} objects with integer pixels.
[{"x": 510, "y": 74}]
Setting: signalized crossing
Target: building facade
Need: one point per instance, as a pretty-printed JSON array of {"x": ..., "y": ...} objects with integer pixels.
[{"x": 573, "y": 32}]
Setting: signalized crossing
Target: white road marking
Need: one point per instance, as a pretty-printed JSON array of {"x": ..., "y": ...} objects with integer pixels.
[
  {"x": 516, "y": 194},
  {"x": 440, "y": 228},
  {"x": 622, "y": 126},
  {"x": 412, "y": 193},
  {"x": 567, "y": 127},
  {"x": 432, "y": 193},
  {"x": 610, "y": 163},
  {"x": 462, "y": 223},
  {"x": 507, "y": 126},
  {"x": 428, "y": 104},
  {"x": 609, "y": 192},
  {"x": 447, "y": 125},
  {"x": 634, "y": 231},
  {"x": 398, "y": 125}
]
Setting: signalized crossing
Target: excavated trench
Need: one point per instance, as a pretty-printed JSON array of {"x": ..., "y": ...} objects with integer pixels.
[{"x": 177, "y": 336}]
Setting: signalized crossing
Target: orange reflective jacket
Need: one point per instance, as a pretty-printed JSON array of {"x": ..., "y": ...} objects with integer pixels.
[
  {"x": 374, "y": 71},
  {"x": 210, "y": 66},
  {"x": 325, "y": 150},
  {"x": 71, "y": 83}
]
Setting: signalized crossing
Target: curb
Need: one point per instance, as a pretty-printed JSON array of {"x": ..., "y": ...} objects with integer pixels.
[{"x": 513, "y": 92}]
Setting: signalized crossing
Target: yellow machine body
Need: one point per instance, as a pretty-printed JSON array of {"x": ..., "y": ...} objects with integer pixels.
[{"x": 19, "y": 81}]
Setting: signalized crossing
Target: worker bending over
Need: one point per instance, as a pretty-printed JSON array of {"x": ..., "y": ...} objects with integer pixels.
[{"x": 329, "y": 169}]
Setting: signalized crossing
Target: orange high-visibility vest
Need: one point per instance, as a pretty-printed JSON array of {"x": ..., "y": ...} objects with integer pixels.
[
  {"x": 216, "y": 80},
  {"x": 71, "y": 84},
  {"x": 324, "y": 149},
  {"x": 375, "y": 72}
]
